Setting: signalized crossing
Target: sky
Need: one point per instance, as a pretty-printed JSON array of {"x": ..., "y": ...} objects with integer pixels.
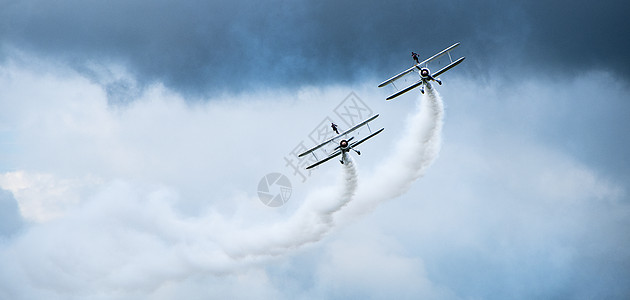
[{"x": 134, "y": 135}]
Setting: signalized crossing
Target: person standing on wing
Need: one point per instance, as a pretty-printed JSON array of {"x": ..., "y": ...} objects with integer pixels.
[
  {"x": 414, "y": 55},
  {"x": 334, "y": 127}
]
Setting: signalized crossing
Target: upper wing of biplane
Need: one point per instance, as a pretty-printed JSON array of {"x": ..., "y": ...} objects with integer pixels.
[
  {"x": 345, "y": 133},
  {"x": 396, "y": 77},
  {"x": 424, "y": 63},
  {"x": 437, "y": 55},
  {"x": 336, "y": 153}
]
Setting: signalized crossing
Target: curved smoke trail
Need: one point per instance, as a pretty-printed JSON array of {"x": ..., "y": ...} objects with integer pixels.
[
  {"x": 144, "y": 242},
  {"x": 127, "y": 238},
  {"x": 309, "y": 223},
  {"x": 140, "y": 242},
  {"x": 415, "y": 152}
]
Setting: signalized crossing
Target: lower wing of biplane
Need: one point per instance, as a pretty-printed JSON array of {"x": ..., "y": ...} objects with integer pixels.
[
  {"x": 423, "y": 70},
  {"x": 345, "y": 143}
]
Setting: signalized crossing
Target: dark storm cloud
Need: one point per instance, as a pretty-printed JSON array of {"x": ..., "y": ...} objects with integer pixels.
[
  {"x": 580, "y": 35},
  {"x": 202, "y": 46}
]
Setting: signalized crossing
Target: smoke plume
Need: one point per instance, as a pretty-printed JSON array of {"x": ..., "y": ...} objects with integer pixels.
[
  {"x": 309, "y": 224},
  {"x": 415, "y": 152}
]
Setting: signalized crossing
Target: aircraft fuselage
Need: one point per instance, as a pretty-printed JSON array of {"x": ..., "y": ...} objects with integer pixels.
[{"x": 425, "y": 73}]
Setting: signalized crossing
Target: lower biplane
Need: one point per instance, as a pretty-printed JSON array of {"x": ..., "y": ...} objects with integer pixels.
[
  {"x": 425, "y": 74},
  {"x": 346, "y": 144}
]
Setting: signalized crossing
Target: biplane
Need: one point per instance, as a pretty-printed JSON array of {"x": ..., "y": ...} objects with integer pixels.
[
  {"x": 346, "y": 144},
  {"x": 425, "y": 74}
]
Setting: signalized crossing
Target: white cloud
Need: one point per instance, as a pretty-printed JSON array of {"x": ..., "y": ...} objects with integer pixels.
[
  {"x": 142, "y": 200},
  {"x": 510, "y": 211},
  {"x": 42, "y": 197},
  {"x": 373, "y": 266}
]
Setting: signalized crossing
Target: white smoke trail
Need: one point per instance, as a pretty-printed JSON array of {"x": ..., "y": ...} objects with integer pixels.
[
  {"x": 415, "y": 152},
  {"x": 132, "y": 241},
  {"x": 130, "y": 238},
  {"x": 309, "y": 223}
]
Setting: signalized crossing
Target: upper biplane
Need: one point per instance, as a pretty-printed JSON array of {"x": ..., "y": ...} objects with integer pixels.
[
  {"x": 424, "y": 72},
  {"x": 345, "y": 143}
]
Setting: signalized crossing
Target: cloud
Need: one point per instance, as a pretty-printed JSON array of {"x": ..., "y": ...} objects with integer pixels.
[
  {"x": 373, "y": 267},
  {"x": 43, "y": 197},
  {"x": 504, "y": 203},
  {"x": 518, "y": 213},
  {"x": 576, "y": 39},
  {"x": 116, "y": 224},
  {"x": 11, "y": 220},
  {"x": 140, "y": 200},
  {"x": 199, "y": 48}
]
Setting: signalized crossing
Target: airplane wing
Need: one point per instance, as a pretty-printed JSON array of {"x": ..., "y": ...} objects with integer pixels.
[
  {"x": 401, "y": 74},
  {"x": 355, "y": 127},
  {"x": 424, "y": 62},
  {"x": 357, "y": 143},
  {"x": 451, "y": 65},
  {"x": 336, "y": 153},
  {"x": 324, "y": 160},
  {"x": 409, "y": 88}
]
